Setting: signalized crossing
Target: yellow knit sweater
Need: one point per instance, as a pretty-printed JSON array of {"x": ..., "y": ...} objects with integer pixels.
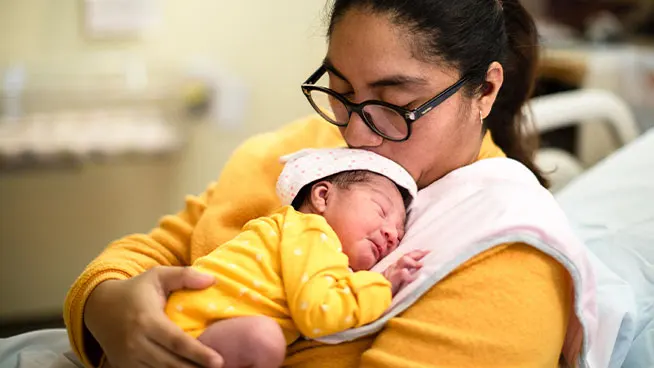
[{"x": 507, "y": 307}]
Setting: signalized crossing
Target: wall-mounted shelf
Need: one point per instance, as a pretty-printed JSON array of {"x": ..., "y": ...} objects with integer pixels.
[
  {"x": 65, "y": 117},
  {"x": 65, "y": 139}
]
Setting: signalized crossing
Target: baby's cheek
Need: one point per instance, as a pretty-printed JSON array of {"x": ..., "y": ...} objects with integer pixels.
[
  {"x": 366, "y": 259},
  {"x": 358, "y": 259}
]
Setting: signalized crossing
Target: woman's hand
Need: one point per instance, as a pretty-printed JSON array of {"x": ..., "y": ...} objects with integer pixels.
[
  {"x": 127, "y": 319},
  {"x": 405, "y": 270}
]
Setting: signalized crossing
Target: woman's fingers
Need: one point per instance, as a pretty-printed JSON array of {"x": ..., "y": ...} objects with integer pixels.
[
  {"x": 127, "y": 318},
  {"x": 177, "y": 278},
  {"x": 167, "y": 335}
]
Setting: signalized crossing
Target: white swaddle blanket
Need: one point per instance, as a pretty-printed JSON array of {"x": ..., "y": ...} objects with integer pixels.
[{"x": 477, "y": 207}]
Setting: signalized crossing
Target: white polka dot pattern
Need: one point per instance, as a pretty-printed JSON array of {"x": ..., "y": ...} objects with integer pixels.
[{"x": 306, "y": 166}]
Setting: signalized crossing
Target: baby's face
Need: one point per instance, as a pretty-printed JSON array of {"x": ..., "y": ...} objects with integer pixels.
[{"x": 368, "y": 219}]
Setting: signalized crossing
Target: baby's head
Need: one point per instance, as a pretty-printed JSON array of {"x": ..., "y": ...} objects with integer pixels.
[
  {"x": 366, "y": 210},
  {"x": 363, "y": 197}
]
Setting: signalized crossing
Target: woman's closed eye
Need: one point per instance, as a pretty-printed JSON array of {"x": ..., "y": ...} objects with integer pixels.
[
  {"x": 348, "y": 96},
  {"x": 410, "y": 106}
]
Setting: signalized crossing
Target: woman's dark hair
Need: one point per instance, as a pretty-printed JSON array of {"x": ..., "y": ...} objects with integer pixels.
[{"x": 469, "y": 35}]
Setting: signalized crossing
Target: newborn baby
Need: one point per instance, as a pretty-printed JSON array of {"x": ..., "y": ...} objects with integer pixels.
[{"x": 303, "y": 270}]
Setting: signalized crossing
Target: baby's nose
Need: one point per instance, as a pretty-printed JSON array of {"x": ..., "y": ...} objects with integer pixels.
[{"x": 391, "y": 236}]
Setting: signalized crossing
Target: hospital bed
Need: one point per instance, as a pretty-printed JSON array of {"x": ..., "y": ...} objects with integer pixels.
[
  {"x": 611, "y": 206},
  {"x": 546, "y": 113}
]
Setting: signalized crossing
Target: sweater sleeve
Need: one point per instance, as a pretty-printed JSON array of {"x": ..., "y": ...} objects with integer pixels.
[
  {"x": 245, "y": 190},
  {"x": 323, "y": 294},
  {"x": 166, "y": 245}
]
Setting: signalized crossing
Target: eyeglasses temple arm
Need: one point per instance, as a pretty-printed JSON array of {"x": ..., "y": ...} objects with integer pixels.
[
  {"x": 427, "y": 106},
  {"x": 316, "y": 75}
]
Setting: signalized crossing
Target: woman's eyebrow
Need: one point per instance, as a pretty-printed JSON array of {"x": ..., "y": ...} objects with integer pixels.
[
  {"x": 331, "y": 68},
  {"x": 398, "y": 81},
  {"x": 403, "y": 81}
]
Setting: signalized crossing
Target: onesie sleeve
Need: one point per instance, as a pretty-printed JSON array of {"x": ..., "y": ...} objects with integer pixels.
[
  {"x": 236, "y": 265},
  {"x": 323, "y": 294}
]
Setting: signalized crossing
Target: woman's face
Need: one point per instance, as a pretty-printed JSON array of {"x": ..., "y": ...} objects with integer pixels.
[{"x": 376, "y": 60}]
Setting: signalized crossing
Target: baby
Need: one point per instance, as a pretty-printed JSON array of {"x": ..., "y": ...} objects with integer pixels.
[{"x": 303, "y": 271}]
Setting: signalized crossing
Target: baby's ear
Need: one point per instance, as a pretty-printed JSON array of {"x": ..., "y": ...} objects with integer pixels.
[{"x": 320, "y": 193}]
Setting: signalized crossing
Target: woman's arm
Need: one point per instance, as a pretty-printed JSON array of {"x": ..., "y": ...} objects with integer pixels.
[
  {"x": 166, "y": 245},
  {"x": 508, "y": 307},
  {"x": 245, "y": 190}
]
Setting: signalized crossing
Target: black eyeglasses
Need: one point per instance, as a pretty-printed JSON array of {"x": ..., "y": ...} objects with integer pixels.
[{"x": 389, "y": 121}]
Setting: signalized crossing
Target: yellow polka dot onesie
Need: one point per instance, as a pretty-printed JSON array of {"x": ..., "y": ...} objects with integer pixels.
[{"x": 290, "y": 267}]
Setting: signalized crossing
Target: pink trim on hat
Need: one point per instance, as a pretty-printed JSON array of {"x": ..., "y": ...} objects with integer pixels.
[{"x": 301, "y": 169}]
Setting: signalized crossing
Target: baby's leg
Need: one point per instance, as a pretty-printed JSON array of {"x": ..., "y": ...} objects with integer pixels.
[{"x": 256, "y": 342}]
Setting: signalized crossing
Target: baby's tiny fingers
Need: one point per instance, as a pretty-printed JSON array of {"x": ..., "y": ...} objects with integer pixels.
[
  {"x": 418, "y": 254},
  {"x": 408, "y": 262},
  {"x": 413, "y": 277}
]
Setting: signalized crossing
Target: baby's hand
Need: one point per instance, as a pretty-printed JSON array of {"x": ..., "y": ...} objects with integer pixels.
[{"x": 405, "y": 270}]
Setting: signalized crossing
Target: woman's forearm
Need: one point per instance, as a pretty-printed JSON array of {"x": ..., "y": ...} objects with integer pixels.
[{"x": 167, "y": 245}]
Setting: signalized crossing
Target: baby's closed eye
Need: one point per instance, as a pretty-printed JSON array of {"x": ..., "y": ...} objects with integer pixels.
[{"x": 381, "y": 211}]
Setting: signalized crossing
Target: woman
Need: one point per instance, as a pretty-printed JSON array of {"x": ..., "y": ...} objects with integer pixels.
[{"x": 506, "y": 307}]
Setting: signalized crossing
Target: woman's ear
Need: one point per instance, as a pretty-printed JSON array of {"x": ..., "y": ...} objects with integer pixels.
[
  {"x": 494, "y": 80},
  {"x": 319, "y": 196}
]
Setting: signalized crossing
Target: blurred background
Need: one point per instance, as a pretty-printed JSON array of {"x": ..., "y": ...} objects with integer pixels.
[{"x": 111, "y": 111}]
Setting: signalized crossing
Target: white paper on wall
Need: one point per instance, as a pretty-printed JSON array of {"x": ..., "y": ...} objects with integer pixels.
[{"x": 121, "y": 18}]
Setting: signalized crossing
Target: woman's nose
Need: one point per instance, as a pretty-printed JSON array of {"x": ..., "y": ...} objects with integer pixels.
[{"x": 359, "y": 135}]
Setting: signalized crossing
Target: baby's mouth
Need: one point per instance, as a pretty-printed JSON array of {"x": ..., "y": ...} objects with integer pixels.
[{"x": 377, "y": 249}]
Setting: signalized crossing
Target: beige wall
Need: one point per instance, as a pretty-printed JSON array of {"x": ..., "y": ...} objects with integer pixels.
[{"x": 53, "y": 222}]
